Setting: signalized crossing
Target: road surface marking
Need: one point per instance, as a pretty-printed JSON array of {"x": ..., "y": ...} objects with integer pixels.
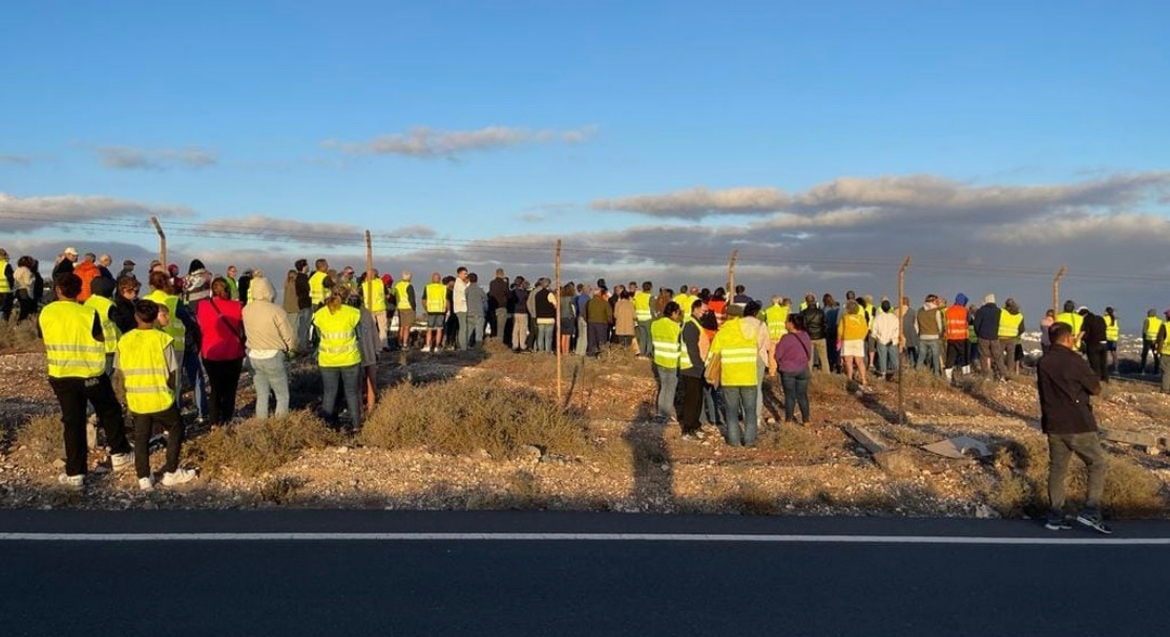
[{"x": 580, "y": 537}]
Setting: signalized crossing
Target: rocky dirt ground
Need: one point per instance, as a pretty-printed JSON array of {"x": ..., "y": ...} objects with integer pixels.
[{"x": 627, "y": 463}]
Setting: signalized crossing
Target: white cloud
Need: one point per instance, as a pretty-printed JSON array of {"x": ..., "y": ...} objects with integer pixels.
[
  {"x": 15, "y": 160},
  {"x": 424, "y": 142},
  {"x": 697, "y": 203},
  {"x": 24, "y": 214},
  {"x": 128, "y": 158},
  {"x": 270, "y": 228}
]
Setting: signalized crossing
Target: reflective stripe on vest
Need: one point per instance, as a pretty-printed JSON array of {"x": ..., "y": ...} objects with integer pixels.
[
  {"x": 436, "y": 298},
  {"x": 142, "y": 360},
  {"x": 956, "y": 317},
  {"x": 776, "y": 316},
  {"x": 175, "y": 328},
  {"x": 642, "y": 307},
  {"x": 403, "y": 297},
  {"x": 684, "y": 355},
  {"x": 317, "y": 288},
  {"x": 102, "y": 305},
  {"x": 664, "y": 333},
  {"x": 1072, "y": 319},
  {"x": 339, "y": 346},
  {"x": 375, "y": 291},
  {"x": 738, "y": 354},
  {"x": 1166, "y": 346},
  {"x": 1112, "y": 330},
  {"x": 1009, "y": 324},
  {"x": 70, "y": 348},
  {"x": 1153, "y": 324}
]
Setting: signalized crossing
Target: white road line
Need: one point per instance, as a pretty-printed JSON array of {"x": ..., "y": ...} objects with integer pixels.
[{"x": 579, "y": 537}]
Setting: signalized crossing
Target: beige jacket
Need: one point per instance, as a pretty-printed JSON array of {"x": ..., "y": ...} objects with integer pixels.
[{"x": 266, "y": 323}]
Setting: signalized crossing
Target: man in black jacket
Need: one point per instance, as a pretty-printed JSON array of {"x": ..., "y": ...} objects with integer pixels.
[
  {"x": 498, "y": 305},
  {"x": 1065, "y": 383},
  {"x": 814, "y": 324},
  {"x": 1095, "y": 340},
  {"x": 986, "y": 325},
  {"x": 692, "y": 376}
]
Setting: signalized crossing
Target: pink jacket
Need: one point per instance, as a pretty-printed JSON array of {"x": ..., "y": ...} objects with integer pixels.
[{"x": 221, "y": 334}]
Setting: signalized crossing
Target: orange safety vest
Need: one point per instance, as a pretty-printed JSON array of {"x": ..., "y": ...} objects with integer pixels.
[{"x": 956, "y": 323}]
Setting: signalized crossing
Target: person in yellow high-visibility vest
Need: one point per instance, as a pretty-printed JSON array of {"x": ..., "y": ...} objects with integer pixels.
[
  {"x": 1164, "y": 349},
  {"x": 736, "y": 346},
  {"x": 1073, "y": 319},
  {"x": 435, "y": 302},
  {"x": 319, "y": 284},
  {"x": 664, "y": 334},
  {"x": 1150, "y": 328},
  {"x": 1011, "y": 327},
  {"x": 374, "y": 300},
  {"x": 76, "y": 358},
  {"x": 338, "y": 356},
  {"x": 148, "y": 362},
  {"x": 1112, "y": 333},
  {"x": 7, "y": 286},
  {"x": 776, "y": 316},
  {"x": 404, "y": 302},
  {"x": 644, "y": 315},
  {"x": 100, "y": 300}
]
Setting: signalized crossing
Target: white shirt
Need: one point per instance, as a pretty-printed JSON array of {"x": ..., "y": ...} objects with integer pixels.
[
  {"x": 886, "y": 328},
  {"x": 459, "y": 296}
]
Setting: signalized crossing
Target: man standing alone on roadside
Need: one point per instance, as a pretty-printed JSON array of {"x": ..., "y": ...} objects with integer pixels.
[{"x": 1065, "y": 383}]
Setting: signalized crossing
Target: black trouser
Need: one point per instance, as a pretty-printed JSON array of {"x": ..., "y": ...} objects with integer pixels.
[
  {"x": 1150, "y": 347},
  {"x": 1098, "y": 360},
  {"x": 692, "y": 403},
  {"x": 5, "y": 303},
  {"x": 598, "y": 332},
  {"x": 223, "y": 378},
  {"x": 144, "y": 424},
  {"x": 956, "y": 354},
  {"x": 73, "y": 394}
]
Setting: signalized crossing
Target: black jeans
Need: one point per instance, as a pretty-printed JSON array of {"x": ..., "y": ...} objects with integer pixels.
[
  {"x": 1099, "y": 362},
  {"x": 692, "y": 403},
  {"x": 144, "y": 424},
  {"x": 598, "y": 333},
  {"x": 73, "y": 394},
  {"x": 224, "y": 379},
  {"x": 795, "y": 393}
]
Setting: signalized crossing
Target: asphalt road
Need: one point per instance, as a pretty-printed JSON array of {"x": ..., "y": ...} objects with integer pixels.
[{"x": 672, "y": 576}]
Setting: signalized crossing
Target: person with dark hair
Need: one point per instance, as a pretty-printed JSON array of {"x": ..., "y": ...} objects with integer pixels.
[
  {"x": 1066, "y": 384},
  {"x": 665, "y": 333},
  {"x": 100, "y": 300},
  {"x": 147, "y": 359},
  {"x": 518, "y": 303},
  {"x": 242, "y": 287},
  {"x": 644, "y": 315},
  {"x": 832, "y": 311},
  {"x": 886, "y": 333},
  {"x": 477, "y": 301},
  {"x": 124, "y": 297},
  {"x": 7, "y": 286},
  {"x": 197, "y": 283},
  {"x": 598, "y": 316},
  {"x": 76, "y": 359},
  {"x": 1011, "y": 330},
  {"x": 793, "y": 353},
  {"x": 1150, "y": 328},
  {"x": 957, "y": 320},
  {"x": 1112, "y": 333},
  {"x": 986, "y": 324},
  {"x": 1071, "y": 317},
  {"x": 1094, "y": 339},
  {"x": 694, "y": 345},
  {"x": 852, "y": 331},
  {"x": 1163, "y": 347},
  {"x": 221, "y": 323},
  {"x": 736, "y": 347},
  {"x": 23, "y": 287},
  {"x": 339, "y": 357},
  {"x": 814, "y": 325},
  {"x": 184, "y": 329}
]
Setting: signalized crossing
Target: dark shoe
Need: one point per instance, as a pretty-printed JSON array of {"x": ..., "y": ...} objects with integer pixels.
[
  {"x": 1094, "y": 521},
  {"x": 1058, "y": 523}
]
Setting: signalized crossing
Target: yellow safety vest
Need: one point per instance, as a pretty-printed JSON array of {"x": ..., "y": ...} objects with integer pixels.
[
  {"x": 1112, "y": 330},
  {"x": 317, "y": 287},
  {"x": 684, "y": 356},
  {"x": 776, "y": 316},
  {"x": 972, "y": 337},
  {"x": 1073, "y": 319},
  {"x": 738, "y": 355},
  {"x": 70, "y": 348},
  {"x": 142, "y": 359},
  {"x": 4, "y": 287},
  {"x": 642, "y": 307},
  {"x": 436, "y": 298},
  {"x": 853, "y": 327},
  {"x": 175, "y": 328},
  {"x": 664, "y": 333},
  {"x": 1009, "y": 324},
  {"x": 684, "y": 301},
  {"x": 339, "y": 346},
  {"x": 102, "y": 305},
  {"x": 375, "y": 294},
  {"x": 1166, "y": 345},
  {"x": 403, "y": 297},
  {"x": 1153, "y": 324}
]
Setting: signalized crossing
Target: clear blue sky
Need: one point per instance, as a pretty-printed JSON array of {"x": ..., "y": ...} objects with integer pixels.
[{"x": 667, "y": 96}]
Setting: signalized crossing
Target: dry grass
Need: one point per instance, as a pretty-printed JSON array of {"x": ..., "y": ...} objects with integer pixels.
[
  {"x": 255, "y": 447},
  {"x": 461, "y": 417},
  {"x": 798, "y": 443},
  {"x": 42, "y": 436},
  {"x": 1022, "y": 485},
  {"x": 18, "y": 337}
]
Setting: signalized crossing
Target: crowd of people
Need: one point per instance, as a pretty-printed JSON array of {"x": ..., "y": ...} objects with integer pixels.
[{"x": 110, "y": 343}]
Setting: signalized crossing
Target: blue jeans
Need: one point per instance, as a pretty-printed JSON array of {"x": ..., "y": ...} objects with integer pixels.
[
  {"x": 645, "y": 345},
  {"x": 304, "y": 322},
  {"x": 474, "y": 331},
  {"x": 193, "y": 370},
  {"x": 887, "y": 358},
  {"x": 741, "y": 397},
  {"x": 544, "y": 337},
  {"x": 929, "y": 355},
  {"x": 795, "y": 392},
  {"x": 713, "y": 407},
  {"x": 348, "y": 378},
  {"x": 667, "y": 385},
  {"x": 270, "y": 374}
]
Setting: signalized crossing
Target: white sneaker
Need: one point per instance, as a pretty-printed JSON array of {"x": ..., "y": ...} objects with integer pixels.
[
  {"x": 120, "y": 461},
  {"x": 75, "y": 482},
  {"x": 179, "y": 476},
  {"x": 146, "y": 484}
]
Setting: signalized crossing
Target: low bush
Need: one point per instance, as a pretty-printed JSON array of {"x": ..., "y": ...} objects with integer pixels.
[
  {"x": 258, "y": 446},
  {"x": 18, "y": 337},
  {"x": 462, "y": 416},
  {"x": 43, "y": 437}
]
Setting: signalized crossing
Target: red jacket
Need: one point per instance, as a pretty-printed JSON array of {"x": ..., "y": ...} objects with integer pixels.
[
  {"x": 87, "y": 272},
  {"x": 221, "y": 330}
]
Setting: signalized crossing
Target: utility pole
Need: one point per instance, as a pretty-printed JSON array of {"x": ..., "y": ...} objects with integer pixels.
[
  {"x": 730, "y": 279},
  {"x": 162, "y": 242},
  {"x": 902, "y": 338},
  {"x": 557, "y": 305},
  {"x": 370, "y": 275},
  {"x": 1056, "y": 288}
]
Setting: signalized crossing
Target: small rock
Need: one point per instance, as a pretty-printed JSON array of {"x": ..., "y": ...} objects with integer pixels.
[
  {"x": 531, "y": 452},
  {"x": 984, "y": 512},
  {"x": 58, "y": 464},
  {"x": 342, "y": 450}
]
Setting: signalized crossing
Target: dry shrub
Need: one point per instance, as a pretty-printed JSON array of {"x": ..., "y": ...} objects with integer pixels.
[
  {"x": 1022, "y": 489},
  {"x": 258, "y": 446},
  {"x": 924, "y": 379},
  {"x": 43, "y": 436},
  {"x": 279, "y": 490},
  {"x": 800, "y": 443},
  {"x": 18, "y": 337},
  {"x": 462, "y": 416},
  {"x": 750, "y": 499}
]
